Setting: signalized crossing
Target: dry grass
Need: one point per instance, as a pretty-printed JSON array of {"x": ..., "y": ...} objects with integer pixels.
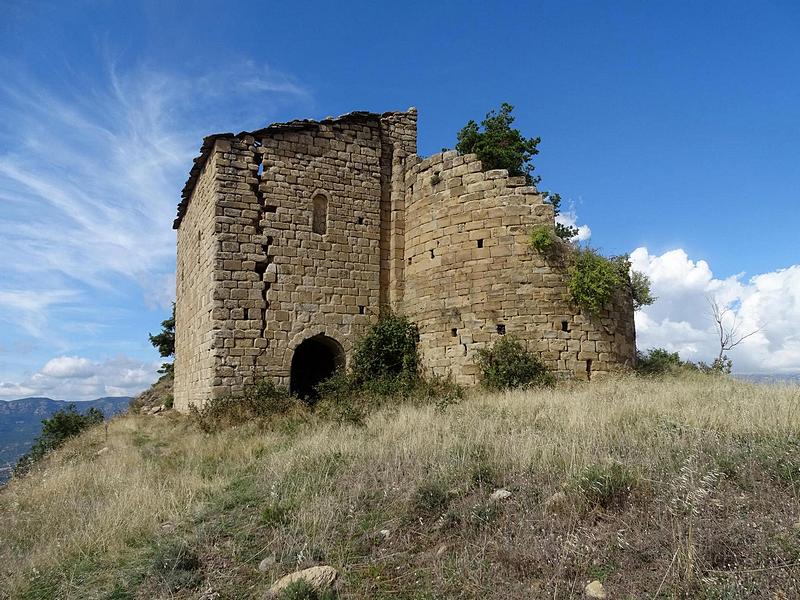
[{"x": 681, "y": 488}]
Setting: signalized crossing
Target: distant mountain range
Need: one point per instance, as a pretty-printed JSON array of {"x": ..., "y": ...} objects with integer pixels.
[
  {"x": 21, "y": 422},
  {"x": 769, "y": 378}
]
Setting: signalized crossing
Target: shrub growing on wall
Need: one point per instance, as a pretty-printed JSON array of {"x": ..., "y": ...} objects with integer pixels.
[
  {"x": 640, "y": 288},
  {"x": 543, "y": 239},
  {"x": 507, "y": 364},
  {"x": 593, "y": 279}
]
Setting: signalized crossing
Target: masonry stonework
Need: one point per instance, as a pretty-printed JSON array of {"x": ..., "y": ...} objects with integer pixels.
[{"x": 293, "y": 239}]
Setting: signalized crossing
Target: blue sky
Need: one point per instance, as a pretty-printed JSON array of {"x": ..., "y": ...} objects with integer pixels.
[{"x": 672, "y": 130}]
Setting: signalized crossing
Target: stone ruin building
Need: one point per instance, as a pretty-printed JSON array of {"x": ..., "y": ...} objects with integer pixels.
[{"x": 292, "y": 239}]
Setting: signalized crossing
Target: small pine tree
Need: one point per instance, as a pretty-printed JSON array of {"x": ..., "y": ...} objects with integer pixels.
[
  {"x": 501, "y": 146},
  {"x": 164, "y": 342}
]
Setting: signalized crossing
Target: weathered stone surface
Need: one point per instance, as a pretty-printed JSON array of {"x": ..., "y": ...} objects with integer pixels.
[
  {"x": 595, "y": 589},
  {"x": 311, "y": 228},
  {"x": 320, "y": 578}
]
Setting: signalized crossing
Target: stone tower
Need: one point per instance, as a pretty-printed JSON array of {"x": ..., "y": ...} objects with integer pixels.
[{"x": 293, "y": 238}]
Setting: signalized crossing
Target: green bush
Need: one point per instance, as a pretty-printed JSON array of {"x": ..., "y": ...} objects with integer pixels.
[
  {"x": 500, "y": 146},
  {"x": 659, "y": 361},
  {"x": 385, "y": 367},
  {"x": 508, "y": 364},
  {"x": 388, "y": 352},
  {"x": 543, "y": 239},
  {"x": 341, "y": 399},
  {"x": 640, "y": 290},
  {"x": 261, "y": 401},
  {"x": 61, "y": 426},
  {"x": 593, "y": 279}
]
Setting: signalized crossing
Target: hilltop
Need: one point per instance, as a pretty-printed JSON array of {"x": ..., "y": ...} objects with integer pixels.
[{"x": 680, "y": 488}]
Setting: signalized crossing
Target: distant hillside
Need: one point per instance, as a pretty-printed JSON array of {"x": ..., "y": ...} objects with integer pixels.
[
  {"x": 21, "y": 422},
  {"x": 770, "y": 377}
]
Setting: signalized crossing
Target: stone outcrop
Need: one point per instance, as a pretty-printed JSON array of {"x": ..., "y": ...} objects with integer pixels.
[{"x": 294, "y": 238}]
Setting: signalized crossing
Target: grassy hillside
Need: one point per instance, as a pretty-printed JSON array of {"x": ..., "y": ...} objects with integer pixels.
[
  {"x": 21, "y": 422},
  {"x": 681, "y": 488}
]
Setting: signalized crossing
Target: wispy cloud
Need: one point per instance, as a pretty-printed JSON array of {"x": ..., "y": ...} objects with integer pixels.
[
  {"x": 90, "y": 173},
  {"x": 29, "y": 309}
]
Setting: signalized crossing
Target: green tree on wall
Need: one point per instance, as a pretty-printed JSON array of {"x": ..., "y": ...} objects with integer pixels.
[
  {"x": 164, "y": 342},
  {"x": 498, "y": 145}
]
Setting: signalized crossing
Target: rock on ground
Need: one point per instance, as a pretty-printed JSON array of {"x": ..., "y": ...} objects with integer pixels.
[
  {"x": 320, "y": 578},
  {"x": 595, "y": 589}
]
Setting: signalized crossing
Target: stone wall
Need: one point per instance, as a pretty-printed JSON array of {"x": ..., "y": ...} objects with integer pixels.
[
  {"x": 327, "y": 283},
  {"x": 312, "y": 228},
  {"x": 194, "y": 323},
  {"x": 302, "y": 216},
  {"x": 471, "y": 276}
]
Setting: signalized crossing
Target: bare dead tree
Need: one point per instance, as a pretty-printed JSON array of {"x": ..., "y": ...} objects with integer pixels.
[{"x": 728, "y": 329}]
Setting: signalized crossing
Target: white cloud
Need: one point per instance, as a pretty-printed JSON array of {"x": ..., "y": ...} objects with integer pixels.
[
  {"x": 680, "y": 320},
  {"x": 14, "y": 390},
  {"x": 68, "y": 366},
  {"x": 79, "y": 378},
  {"x": 570, "y": 219}
]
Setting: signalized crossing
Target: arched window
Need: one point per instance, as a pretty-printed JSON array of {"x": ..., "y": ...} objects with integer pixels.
[{"x": 319, "y": 220}]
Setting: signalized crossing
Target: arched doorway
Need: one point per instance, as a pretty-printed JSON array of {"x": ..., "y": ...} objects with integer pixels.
[{"x": 314, "y": 360}]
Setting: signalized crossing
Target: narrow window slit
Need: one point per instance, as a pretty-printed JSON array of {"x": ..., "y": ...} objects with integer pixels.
[
  {"x": 454, "y": 332},
  {"x": 564, "y": 325},
  {"x": 361, "y": 309},
  {"x": 589, "y": 369},
  {"x": 431, "y": 252},
  {"x": 360, "y": 220},
  {"x": 501, "y": 329},
  {"x": 480, "y": 243},
  {"x": 319, "y": 215}
]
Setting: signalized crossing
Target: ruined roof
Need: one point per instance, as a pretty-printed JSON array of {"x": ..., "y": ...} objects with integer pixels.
[{"x": 359, "y": 116}]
